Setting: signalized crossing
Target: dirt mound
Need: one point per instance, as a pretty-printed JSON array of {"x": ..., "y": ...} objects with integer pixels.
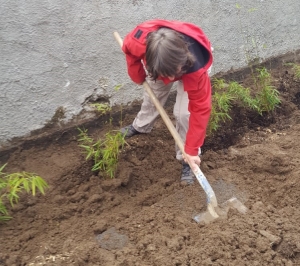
[{"x": 144, "y": 216}]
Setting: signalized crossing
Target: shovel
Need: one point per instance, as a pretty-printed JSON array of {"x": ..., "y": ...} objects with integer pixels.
[{"x": 213, "y": 210}]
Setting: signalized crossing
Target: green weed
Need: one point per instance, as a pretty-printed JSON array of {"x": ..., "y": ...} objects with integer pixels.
[
  {"x": 102, "y": 108},
  {"x": 105, "y": 108},
  {"x": 11, "y": 185}
]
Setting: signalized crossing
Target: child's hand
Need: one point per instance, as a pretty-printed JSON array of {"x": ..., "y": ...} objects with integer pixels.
[{"x": 192, "y": 160}]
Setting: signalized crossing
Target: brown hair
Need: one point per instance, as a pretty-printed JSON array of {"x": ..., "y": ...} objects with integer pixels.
[{"x": 167, "y": 54}]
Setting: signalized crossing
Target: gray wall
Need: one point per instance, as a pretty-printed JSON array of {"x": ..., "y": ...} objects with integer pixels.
[{"x": 57, "y": 54}]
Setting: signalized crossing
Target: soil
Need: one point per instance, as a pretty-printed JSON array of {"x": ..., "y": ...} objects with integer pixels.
[{"x": 145, "y": 215}]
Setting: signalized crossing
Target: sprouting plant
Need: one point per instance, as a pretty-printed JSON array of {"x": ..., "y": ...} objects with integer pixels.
[
  {"x": 268, "y": 97},
  {"x": 296, "y": 68},
  {"x": 11, "y": 185},
  {"x": 118, "y": 87},
  {"x": 104, "y": 152},
  {"x": 102, "y": 108}
]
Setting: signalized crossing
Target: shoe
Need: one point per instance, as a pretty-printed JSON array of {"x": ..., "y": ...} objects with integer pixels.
[
  {"x": 187, "y": 175},
  {"x": 129, "y": 131}
]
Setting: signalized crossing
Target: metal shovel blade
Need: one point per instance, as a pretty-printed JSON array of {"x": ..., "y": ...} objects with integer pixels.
[
  {"x": 210, "y": 194},
  {"x": 222, "y": 210}
]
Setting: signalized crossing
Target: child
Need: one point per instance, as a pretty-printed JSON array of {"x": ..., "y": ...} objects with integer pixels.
[{"x": 172, "y": 51}]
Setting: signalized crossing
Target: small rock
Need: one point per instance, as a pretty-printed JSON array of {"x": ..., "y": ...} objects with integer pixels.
[
  {"x": 278, "y": 221},
  {"x": 271, "y": 208},
  {"x": 257, "y": 206},
  {"x": 210, "y": 164},
  {"x": 59, "y": 199},
  {"x": 165, "y": 182},
  {"x": 12, "y": 260},
  {"x": 100, "y": 227},
  {"x": 233, "y": 151},
  {"x": 31, "y": 201},
  {"x": 77, "y": 197},
  {"x": 27, "y": 236},
  {"x": 50, "y": 249},
  {"x": 111, "y": 184},
  {"x": 275, "y": 240},
  {"x": 151, "y": 247},
  {"x": 111, "y": 239},
  {"x": 95, "y": 198},
  {"x": 261, "y": 245}
]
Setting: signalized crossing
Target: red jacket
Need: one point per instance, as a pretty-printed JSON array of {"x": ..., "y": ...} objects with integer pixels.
[{"x": 196, "y": 84}]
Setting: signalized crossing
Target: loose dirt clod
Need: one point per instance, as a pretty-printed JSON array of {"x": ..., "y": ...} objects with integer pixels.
[{"x": 111, "y": 239}]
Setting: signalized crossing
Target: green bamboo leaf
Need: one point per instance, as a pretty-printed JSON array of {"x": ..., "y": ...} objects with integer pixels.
[
  {"x": 3, "y": 186},
  {"x": 13, "y": 196},
  {"x": 85, "y": 147},
  {"x": 97, "y": 166},
  {"x": 3, "y": 209},
  {"x": 3, "y": 212},
  {"x": 1, "y": 168},
  {"x": 17, "y": 181},
  {"x": 5, "y": 218},
  {"x": 40, "y": 184}
]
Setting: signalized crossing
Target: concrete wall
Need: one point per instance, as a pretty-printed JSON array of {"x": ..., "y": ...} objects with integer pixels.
[{"x": 57, "y": 55}]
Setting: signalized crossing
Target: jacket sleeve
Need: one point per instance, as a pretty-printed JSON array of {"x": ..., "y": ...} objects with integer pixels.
[
  {"x": 134, "y": 52},
  {"x": 199, "y": 108}
]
